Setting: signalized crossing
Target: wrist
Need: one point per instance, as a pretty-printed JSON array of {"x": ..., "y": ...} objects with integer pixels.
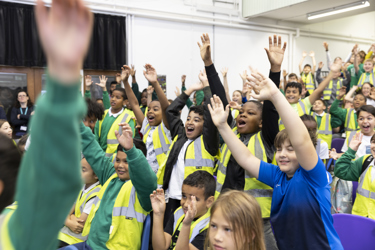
[
  {"x": 208, "y": 62},
  {"x": 186, "y": 223},
  {"x": 67, "y": 75},
  {"x": 276, "y": 68},
  {"x": 104, "y": 89},
  {"x": 87, "y": 88}
]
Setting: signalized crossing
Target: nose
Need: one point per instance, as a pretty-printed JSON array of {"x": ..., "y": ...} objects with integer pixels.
[{"x": 217, "y": 235}]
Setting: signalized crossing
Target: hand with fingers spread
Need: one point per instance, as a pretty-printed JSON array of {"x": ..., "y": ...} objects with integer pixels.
[
  {"x": 224, "y": 71},
  {"x": 218, "y": 114},
  {"x": 103, "y": 82},
  {"x": 88, "y": 82},
  {"x": 243, "y": 76},
  {"x": 312, "y": 54},
  {"x": 205, "y": 49},
  {"x": 234, "y": 105},
  {"x": 275, "y": 53},
  {"x": 150, "y": 90},
  {"x": 158, "y": 202},
  {"x": 150, "y": 74},
  {"x": 192, "y": 212},
  {"x": 126, "y": 138},
  {"x": 125, "y": 72},
  {"x": 304, "y": 54},
  {"x": 267, "y": 89},
  {"x": 203, "y": 78},
  {"x": 342, "y": 92},
  {"x": 356, "y": 141},
  {"x": 64, "y": 31}
]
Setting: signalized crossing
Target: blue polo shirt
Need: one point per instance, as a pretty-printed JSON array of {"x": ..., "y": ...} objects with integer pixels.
[{"x": 301, "y": 207}]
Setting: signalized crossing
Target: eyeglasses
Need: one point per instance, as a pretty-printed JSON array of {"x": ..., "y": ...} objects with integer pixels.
[{"x": 21, "y": 95}]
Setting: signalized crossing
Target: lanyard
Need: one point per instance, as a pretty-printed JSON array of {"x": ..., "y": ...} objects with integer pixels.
[{"x": 25, "y": 111}]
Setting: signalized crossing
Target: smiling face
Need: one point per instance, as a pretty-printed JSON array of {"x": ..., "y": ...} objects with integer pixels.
[
  {"x": 221, "y": 232},
  {"x": 319, "y": 106},
  {"x": 366, "y": 89},
  {"x": 307, "y": 69},
  {"x": 202, "y": 203},
  {"x": 366, "y": 122},
  {"x": 368, "y": 66},
  {"x": 249, "y": 119},
  {"x": 6, "y": 129},
  {"x": 154, "y": 113},
  {"x": 237, "y": 97},
  {"x": 286, "y": 158},
  {"x": 117, "y": 101},
  {"x": 292, "y": 79},
  {"x": 121, "y": 166},
  {"x": 292, "y": 95},
  {"x": 359, "y": 101},
  {"x": 194, "y": 125}
]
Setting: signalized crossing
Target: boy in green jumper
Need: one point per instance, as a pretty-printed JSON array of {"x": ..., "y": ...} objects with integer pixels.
[
  {"x": 103, "y": 84},
  {"x": 49, "y": 179}
]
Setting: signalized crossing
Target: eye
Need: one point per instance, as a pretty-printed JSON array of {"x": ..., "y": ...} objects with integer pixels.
[
  {"x": 213, "y": 225},
  {"x": 227, "y": 229},
  {"x": 117, "y": 160},
  {"x": 278, "y": 149}
]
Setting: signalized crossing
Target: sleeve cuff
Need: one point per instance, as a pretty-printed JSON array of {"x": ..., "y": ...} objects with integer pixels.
[
  {"x": 131, "y": 153},
  {"x": 184, "y": 96},
  {"x": 210, "y": 70},
  {"x": 351, "y": 151},
  {"x": 61, "y": 93}
]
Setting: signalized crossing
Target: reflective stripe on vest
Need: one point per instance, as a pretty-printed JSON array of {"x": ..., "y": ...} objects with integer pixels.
[
  {"x": 364, "y": 192},
  {"x": 350, "y": 137},
  {"x": 309, "y": 82},
  {"x": 327, "y": 93},
  {"x": 196, "y": 227},
  {"x": 325, "y": 128},
  {"x": 198, "y": 160},
  {"x": 363, "y": 77},
  {"x": 129, "y": 211},
  {"x": 160, "y": 137},
  {"x": 301, "y": 111},
  {"x": 89, "y": 196},
  {"x": 115, "y": 141},
  {"x": 5, "y": 241}
]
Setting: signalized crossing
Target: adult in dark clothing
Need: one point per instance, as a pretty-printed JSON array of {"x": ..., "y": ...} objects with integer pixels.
[
  {"x": 21, "y": 113},
  {"x": 3, "y": 115}
]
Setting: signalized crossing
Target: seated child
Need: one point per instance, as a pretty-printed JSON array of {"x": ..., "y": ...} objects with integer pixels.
[
  {"x": 116, "y": 222},
  {"x": 71, "y": 233},
  {"x": 308, "y": 73},
  {"x": 361, "y": 170},
  {"x": 235, "y": 223},
  {"x": 104, "y": 101},
  {"x": 187, "y": 227},
  {"x": 301, "y": 184},
  {"x": 94, "y": 113},
  {"x": 194, "y": 144},
  {"x": 367, "y": 75},
  {"x": 106, "y": 127},
  {"x": 155, "y": 130},
  {"x": 5, "y": 128}
]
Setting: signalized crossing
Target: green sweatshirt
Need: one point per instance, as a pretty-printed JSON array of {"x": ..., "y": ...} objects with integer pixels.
[
  {"x": 355, "y": 76},
  {"x": 339, "y": 114},
  {"x": 106, "y": 101},
  {"x": 347, "y": 169},
  {"x": 141, "y": 175},
  {"x": 198, "y": 97},
  {"x": 50, "y": 176}
]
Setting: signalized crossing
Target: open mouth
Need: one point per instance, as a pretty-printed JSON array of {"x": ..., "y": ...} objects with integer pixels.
[
  {"x": 113, "y": 104},
  {"x": 189, "y": 129},
  {"x": 241, "y": 123},
  {"x": 151, "y": 118},
  {"x": 366, "y": 127}
]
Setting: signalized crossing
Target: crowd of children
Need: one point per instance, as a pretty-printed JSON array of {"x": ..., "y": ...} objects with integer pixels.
[{"x": 242, "y": 172}]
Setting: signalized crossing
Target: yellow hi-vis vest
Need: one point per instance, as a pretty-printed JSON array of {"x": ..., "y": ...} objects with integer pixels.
[
  {"x": 301, "y": 111},
  {"x": 66, "y": 235},
  {"x": 160, "y": 141},
  {"x": 363, "y": 77},
  {"x": 325, "y": 128},
  {"x": 112, "y": 142},
  {"x": 309, "y": 82},
  {"x": 128, "y": 217},
  {"x": 364, "y": 204},
  {"x": 196, "y": 158},
  {"x": 196, "y": 227},
  {"x": 5, "y": 242},
  {"x": 261, "y": 192},
  {"x": 327, "y": 93},
  {"x": 350, "y": 122}
]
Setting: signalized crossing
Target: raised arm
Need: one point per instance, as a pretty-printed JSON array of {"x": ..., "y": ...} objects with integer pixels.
[
  {"x": 319, "y": 90},
  {"x": 224, "y": 72},
  {"x": 318, "y": 76},
  {"x": 152, "y": 77},
  {"x": 126, "y": 70},
  {"x": 160, "y": 239},
  {"x": 150, "y": 91},
  {"x": 103, "y": 85},
  {"x": 356, "y": 63},
  {"x": 312, "y": 55},
  {"x": 304, "y": 54},
  {"x": 325, "y": 45},
  {"x": 88, "y": 83},
  {"x": 349, "y": 95}
]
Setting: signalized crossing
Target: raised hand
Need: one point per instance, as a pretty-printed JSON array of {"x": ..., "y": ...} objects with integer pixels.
[
  {"x": 126, "y": 138},
  {"x": 203, "y": 78},
  {"x": 285, "y": 74},
  {"x": 224, "y": 71},
  {"x": 88, "y": 82},
  {"x": 197, "y": 86},
  {"x": 118, "y": 77},
  {"x": 333, "y": 154},
  {"x": 243, "y": 75},
  {"x": 125, "y": 72},
  {"x": 177, "y": 92},
  {"x": 132, "y": 71},
  {"x": 150, "y": 90},
  {"x": 158, "y": 202},
  {"x": 342, "y": 92},
  {"x": 218, "y": 114},
  {"x": 320, "y": 65},
  {"x": 356, "y": 141},
  {"x": 355, "y": 49},
  {"x": 325, "y": 45},
  {"x": 64, "y": 32},
  {"x": 304, "y": 54},
  {"x": 192, "y": 212},
  {"x": 205, "y": 49},
  {"x": 266, "y": 88},
  {"x": 103, "y": 82},
  {"x": 312, "y": 54},
  {"x": 275, "y": 53},
  {"x": 183, "y": 79},
  {"x": 150, "y": 74},
  {"x": 234, "y": 105}
]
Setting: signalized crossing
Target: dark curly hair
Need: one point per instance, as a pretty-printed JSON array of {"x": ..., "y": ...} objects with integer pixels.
[{"x": 94, "y": 109}]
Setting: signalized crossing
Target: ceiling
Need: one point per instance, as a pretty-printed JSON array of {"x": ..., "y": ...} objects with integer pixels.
[{"x": 298, "y": 12}]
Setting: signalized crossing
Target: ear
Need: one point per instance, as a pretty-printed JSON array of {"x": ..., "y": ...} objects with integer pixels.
[
  {"x": 123, "y": 102},
  {"x": 210, "y": 200},
  {"x": 1, "y": 186},
  {"x": 261, "y": 123}
]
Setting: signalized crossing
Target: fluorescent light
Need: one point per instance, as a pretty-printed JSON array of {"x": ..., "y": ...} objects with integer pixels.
[{"x": 337, "y": 10}]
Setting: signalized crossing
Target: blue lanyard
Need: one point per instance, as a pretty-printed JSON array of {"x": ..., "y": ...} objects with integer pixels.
[{"x": 25, "y": 111}]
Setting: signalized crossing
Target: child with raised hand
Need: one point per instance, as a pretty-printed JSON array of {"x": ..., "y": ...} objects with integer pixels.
[
  {"x": 368, "y": 74},
  {"x": 49, "y": 178},
  {"x": 300, "y": 181},
  {"x": 308, "y": 72},
  {"x": 155, "y": 130},
  {"x": 71, "y": 233},
  {"x": 367, "y": 90},
  {"x": 94, "y": 113},
  {"x": 116, "y": 221},
  {"x": 235, "y": 223},
  {"x": 187, "y": 226},
  {"x": 293, "y": 92},
  {"x": 256, "y": 126},
  {"x": 351, "y": 168},
  {"x": 197, "y": 98},
  {"x": 194, "y": 146},
  {"x": 103, "y": 85}
]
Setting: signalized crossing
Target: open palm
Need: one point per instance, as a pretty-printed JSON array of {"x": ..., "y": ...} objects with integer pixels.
[
  {"x": 275, "y": 52},
  {"x": 205, "y": 48},
  {"x": 264, "y": 86},
  {"x": 158, "y": 201},
  {"x": 219, "y": 116}
]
